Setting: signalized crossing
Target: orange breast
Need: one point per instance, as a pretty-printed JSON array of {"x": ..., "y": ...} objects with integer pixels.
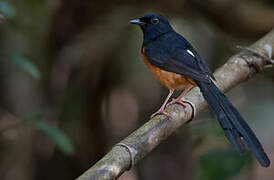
[{"x": 169, "y": 79}]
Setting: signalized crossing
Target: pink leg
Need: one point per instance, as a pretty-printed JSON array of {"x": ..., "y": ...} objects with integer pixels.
[
  {"x": 162, "y": 108},
  {"x": 179, "y": 99}
]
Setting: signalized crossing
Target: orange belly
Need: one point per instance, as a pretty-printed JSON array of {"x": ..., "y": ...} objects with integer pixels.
[{"x": 169, "y": 79}]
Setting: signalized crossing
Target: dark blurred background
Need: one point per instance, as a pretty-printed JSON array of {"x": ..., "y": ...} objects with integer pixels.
[{"x": 72, "y": 84}]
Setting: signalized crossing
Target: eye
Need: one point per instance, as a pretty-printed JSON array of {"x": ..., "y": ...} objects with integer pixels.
[{"x": 155, "y": 21}]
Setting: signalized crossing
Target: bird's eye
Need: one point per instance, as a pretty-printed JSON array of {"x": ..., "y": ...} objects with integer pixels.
[{"x": 155, "y": 21}]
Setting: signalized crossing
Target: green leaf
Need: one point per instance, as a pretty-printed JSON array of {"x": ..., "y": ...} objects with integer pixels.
[
  {"x": 36, "y": 116},
  {"x": 221, "y": 164},
  {"x": 6, "y": 9},
  {"x": 62, "y": 142},
  {"x": 25, "y": 64}
]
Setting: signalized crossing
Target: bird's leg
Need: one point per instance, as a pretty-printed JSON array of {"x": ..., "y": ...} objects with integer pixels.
[
  {"x": 162, "y": 108},
  {"x": 179, "y": 99}
]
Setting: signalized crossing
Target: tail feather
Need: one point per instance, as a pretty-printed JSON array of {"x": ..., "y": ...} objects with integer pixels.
[{"x": 231, "y": 121}]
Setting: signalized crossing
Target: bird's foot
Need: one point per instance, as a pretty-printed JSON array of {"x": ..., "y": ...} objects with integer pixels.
[
  {"x": 177, "y": 101},
  {"x": 160, "y": 111}
]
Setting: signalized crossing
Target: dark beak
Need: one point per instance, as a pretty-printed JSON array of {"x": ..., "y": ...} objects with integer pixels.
[{"x": 136, "y": 21}]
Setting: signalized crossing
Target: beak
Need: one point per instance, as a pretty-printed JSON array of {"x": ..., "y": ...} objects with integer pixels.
[{"x": 136, "y": 21}]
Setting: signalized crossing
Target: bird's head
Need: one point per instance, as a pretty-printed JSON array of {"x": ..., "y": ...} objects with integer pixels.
[{"x": 152, "y": 25}]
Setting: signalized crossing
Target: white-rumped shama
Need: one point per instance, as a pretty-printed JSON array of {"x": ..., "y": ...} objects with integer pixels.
[{"x": 176, "y": 64}]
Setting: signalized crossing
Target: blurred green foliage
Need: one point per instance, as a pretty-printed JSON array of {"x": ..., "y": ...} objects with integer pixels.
[
  {"x": 221, "y": 164},
  {"x": 25, "y": 64},
  {"x": 218, "y": 164},
  {"x": 7, "y": 9},
  {"x": 63, "y": 143}
]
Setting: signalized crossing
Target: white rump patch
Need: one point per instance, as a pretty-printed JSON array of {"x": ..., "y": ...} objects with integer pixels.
[{"x": 189, "y": 52}]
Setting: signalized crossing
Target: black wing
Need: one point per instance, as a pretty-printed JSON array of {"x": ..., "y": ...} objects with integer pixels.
[{"x": 179, "y": 57}]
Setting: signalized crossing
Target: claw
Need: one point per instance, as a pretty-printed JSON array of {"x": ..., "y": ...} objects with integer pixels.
[
  {"x": 177, "y": 101},
  {"x": 160, "y": 111}
]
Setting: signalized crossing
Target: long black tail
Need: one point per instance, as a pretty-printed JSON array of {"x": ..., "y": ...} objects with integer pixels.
[{"x": 231, "y": 121}]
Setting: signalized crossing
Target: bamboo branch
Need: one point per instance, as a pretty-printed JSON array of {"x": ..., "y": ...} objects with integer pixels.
[{"x": 124, "y": 155}]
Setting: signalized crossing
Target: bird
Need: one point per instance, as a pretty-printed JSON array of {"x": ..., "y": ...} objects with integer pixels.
[{"x": 177, "y": 65}]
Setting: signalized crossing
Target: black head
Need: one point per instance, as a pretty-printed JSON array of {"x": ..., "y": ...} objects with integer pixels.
[{"x": 153, "y": 25}]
